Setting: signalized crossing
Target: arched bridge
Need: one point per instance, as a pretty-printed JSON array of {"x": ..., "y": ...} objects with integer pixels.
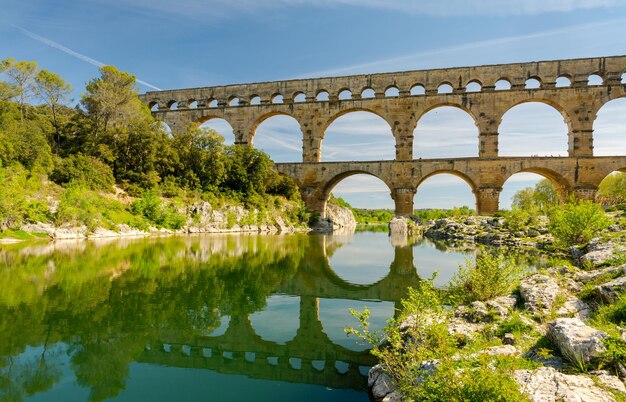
[{"x": 401, "y": 99}]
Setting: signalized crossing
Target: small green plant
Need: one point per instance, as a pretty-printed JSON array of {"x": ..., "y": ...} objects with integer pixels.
[
  {"x": 577, "y": 221},
  {"x": 490, "y": 276},
  {"x": 513, "y": 324}
]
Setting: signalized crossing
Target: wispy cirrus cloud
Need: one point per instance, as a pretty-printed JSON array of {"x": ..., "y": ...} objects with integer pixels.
[
  {"x": 217, "y": 9},
  {"x": 73, "y": 53}
]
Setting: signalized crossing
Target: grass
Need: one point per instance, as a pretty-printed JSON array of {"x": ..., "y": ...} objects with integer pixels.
[{"x": 22, "y": 235}]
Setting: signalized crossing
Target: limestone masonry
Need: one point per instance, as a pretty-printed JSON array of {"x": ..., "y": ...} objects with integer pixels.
[{"x": 245, "y": 106}]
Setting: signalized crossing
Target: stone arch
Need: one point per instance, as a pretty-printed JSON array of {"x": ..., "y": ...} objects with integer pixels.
[
  {"x": 368, "y": 93},
  {"x": 596, "y": 78},
  {"x": 192, "y": 104},
  {"x": 254, "y": 99},
  {"x": 503, "y": 139},
  {"x": 562, "y": 186},
  {"x": 299, "y": 97},
  {"x": 277, "y": 98},
  {"x": 533, "y": 82},
  {"x": 344, "y": 94},
  {"x": 153, "y": 106},
  {"x": 474, "y": 86},
  {"x": 392, "y": 91},
  {"x": 372, "y": 130},
  {"x": 221, "y": 125},
  {"x": 327, "y": 188},
  {"x": 563, "y": 81},
  {"x": 608, "y": 128},
  {"x": 322, "y": 96},
  {"x": 284, "y": 147},
  {"x": 418, "y": 90},
  {"x": 464, "y": 177},
  {"x": 427, "y": 135},
  {"x": 445, "y": 87},
  {"x": 172, "y": 105},
  {"x": 502, "y": 84}
]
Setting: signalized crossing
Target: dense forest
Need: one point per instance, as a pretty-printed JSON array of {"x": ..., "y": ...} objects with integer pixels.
[{"x": 60, "y": 164}]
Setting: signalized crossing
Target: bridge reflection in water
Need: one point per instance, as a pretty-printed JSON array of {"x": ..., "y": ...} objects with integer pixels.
[
  {"x": 79, "y": 314},
  {"x": 311, "y": 357}
]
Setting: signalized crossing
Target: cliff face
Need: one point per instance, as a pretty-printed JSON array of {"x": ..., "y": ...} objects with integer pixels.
[{"x": 338, "y": 219}]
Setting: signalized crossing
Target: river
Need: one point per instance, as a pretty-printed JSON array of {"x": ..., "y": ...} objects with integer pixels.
[{"x": 207, "y": 317}]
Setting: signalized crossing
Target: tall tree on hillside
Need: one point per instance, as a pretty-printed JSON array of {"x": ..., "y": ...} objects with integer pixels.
[
  {"x": 22, "y": 83},
  {"x": 112, "y": 99},
  {"x": 55, "y": 92}
]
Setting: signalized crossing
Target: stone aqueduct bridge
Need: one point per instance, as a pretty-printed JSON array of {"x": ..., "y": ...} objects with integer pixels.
[{"x": 579, "y": 173}]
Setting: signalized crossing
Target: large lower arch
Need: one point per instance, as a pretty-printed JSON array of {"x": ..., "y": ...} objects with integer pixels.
[
  {"x": 534, "y": 127},
  {"x": 529, "y": 178},
  {"x": 364, "y": 196},
  {"x": 445, "y": 131},
  {"x": 608, "y": 129},
  {"x": 279, "y": 135},
  {"x": 357, "y": 134},
  {"x": 449, "y": 188},
  {"x": 221, "y": 126}
]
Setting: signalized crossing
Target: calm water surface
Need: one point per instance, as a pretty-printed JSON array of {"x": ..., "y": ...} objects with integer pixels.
[{"x": 200, "y": 318}]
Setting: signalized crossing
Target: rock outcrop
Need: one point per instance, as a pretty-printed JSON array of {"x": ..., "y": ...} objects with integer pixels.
[
  {"x": 545, "y": 384},
  {"x": 576, "y": 340}
]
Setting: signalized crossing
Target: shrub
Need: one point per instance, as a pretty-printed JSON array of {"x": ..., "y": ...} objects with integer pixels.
[
  {"x": 490, "y": 276},
  {"x": 158, "y": 212},
  {"x": 85, "y": 170},
  {"x": 577, "y": 221},
  {"x": 80, "y": 206},
  {"x": 518, "y": 219}
]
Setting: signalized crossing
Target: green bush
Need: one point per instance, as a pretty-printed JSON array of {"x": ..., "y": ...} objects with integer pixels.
[
  {"x": 518, "y": 219},
  {"x": 490, "y": 276},
  {"x": 85, "y": 170},
  {"x": 577, "y": 222},
  {"x": 157, "y": 212},
  {"x": 81, "y": 206}
]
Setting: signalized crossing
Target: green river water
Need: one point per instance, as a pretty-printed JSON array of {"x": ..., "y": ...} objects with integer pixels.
[{"x": 200, "y": 318}]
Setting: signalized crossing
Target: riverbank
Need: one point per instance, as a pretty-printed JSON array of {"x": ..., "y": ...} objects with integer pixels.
[{"x": 555, "y": 335}]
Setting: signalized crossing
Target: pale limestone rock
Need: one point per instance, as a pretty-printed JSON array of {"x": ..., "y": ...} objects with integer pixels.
[
  {"x": 609, "y": 381},
  {"x": 611, "y": 290},
  {"x": 539, "y": 293},
  {"x": 575, "y": 339},
  {"x": 545, "y": 384}
]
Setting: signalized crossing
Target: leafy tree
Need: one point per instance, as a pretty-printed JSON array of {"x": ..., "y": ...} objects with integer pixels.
[
  {"x": 537, "y": 200},
  {"x": 612, "y": 189},
  {"x": 22, "y": 84},
  {"x": 112, "y": 99},
  {"x": 55, "y": 92}
]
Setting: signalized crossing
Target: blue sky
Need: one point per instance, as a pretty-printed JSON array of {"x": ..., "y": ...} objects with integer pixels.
[{"x": 191, "y": 43}]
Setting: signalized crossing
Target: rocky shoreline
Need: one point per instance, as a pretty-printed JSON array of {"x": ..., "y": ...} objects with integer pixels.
[
  {"x": 202, "y": 218},
  {"x": 555, "y": 305}
]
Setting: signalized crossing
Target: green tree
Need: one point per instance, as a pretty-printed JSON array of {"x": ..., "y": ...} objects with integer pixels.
[
  {"x": 22, "y": 82},
  {"x": 537, "y": 200},
  {"x": 112, "y": 100},
  {"x": 55, "y": 92},
  {"x": 612, "y": 189}
]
